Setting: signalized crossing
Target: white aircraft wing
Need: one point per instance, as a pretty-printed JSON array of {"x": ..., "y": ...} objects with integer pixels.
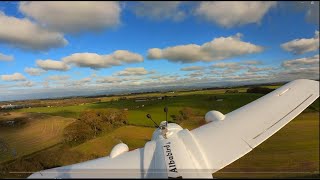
[
  {"x": 123, "y": 166},
  {"x": 185, "y": 153},
  {"x": 225, "y": 141}
]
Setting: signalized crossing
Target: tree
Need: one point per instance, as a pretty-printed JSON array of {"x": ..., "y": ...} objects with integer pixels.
[
  {"x": 114, "y": 117},
  {"x": 77, "y": 132},
  {"x": 93, "y": 119},
  {"x": 93, "y": 122},
  {"x": 184, "y": 114}
]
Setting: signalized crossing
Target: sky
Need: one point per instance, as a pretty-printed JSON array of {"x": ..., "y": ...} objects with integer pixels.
[{"x": 53, "y": 49}]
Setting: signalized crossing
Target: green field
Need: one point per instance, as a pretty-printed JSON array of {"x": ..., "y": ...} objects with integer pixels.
[
  {"x": 137, "y": 114},
  {"x": 133, "y": 136},
  {"x": 291, "y": 152},
  {"x": 293, "y": 149},
  {"x": 39, "y": 131}
]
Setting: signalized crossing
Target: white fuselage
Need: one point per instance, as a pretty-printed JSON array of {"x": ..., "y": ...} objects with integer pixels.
[{"x": 177, "y": 155}]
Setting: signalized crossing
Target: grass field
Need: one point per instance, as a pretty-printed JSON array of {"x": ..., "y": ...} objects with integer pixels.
[
  {"x": 133, "y": 136},
  {"x": 137, "y": 113},
  {"x": 291, "y": 152},
  {"x": 39, "y": 131},
  {"x": 293, "y": 149}
]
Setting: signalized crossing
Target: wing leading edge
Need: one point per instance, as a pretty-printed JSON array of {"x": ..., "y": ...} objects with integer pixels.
[
  {"x": 123, "y": 166},
  {"x": 225, "y": 141}
]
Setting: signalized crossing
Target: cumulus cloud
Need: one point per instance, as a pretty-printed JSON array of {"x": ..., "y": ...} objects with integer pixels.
[
  {"x": 52, "y": 65},
  {"x": 160, "y": 10},
  {"x": 312, "y": 61},
  {"x": 307, "y": 72},
  {"x": 231, "y": 65},
  {"x": 217, "y": 49},
  {"x": 252, "y": 62},
  {"x": 259, "y": 69},
  {"x": 300, "y": 46},
  {"x": 109, "y": 79},
  {"x": 34, "y": 71},
  {"x": 234, "y": 13},
  {"x": 96, "y": 61},
  {"x": 196, "y": 74},
  {"x": 4, "y": 57},
  {"x": 58, "y": 77},
  {"x": 28, "y": 84},
  {"x": 70, "y": 16},
  {"x": 192, "y": 68},
  {"x": 13, "y": 77},
  {"x": 24, "y": 34},
  {"x": 80, "y": 82},
  {"x": 134, "y": 72},
  {"x": 307, "y": 67}
]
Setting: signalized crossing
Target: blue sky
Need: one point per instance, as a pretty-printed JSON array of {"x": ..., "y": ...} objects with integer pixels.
[{"x": 52, "y": 47}]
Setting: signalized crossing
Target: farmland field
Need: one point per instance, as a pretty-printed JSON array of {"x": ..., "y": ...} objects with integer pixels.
[
  {"x": 38, "y": 132},
  {"x": 291, "y": 152},
  {"x": 138, "y": 110},
  {"x": 133, "y": 136}
]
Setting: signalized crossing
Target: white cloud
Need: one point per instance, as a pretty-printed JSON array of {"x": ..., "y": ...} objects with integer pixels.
[
  {"x": 24, "y": 34},
  {"x": 306, "y": 61},
  {"x": 58, "y": 77},
  {"x": 109, "y": 79},
  {"x": 4, "y": 57},
  {"x": 217, "y": 49},
  {"x": 192, "y": 68},
  {"x": 134, "y": 72},
  {"x": 13, "y": 77},
  {"x": 126, "y": 56},
  {"x": 81, "y": 82},
  {"x": 226, "y": 65},
  {"x": 96, "y": 61},
  {"x": 196, "y": 74},
  {"x": 259, "y": 69},
  {"x": 306, "y": 72},
  {"x": 34, "y": 71},
  {"x": 300, "y": 46},
  {"x": 85, "y": 80},
  {"x": 160, "y": 10},
  {"x": 28, "y": 84},
  {"x": 70, "y": 16},
  {"x": 234, "y": 13},
  {"x": 52, "y": 65},
  {"x": 252, "y": 62}
]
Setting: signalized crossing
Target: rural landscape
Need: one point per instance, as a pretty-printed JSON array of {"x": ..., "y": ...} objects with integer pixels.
[
  {"x": 42, "y": 134},
  {"x": 79, "y": 78}
]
